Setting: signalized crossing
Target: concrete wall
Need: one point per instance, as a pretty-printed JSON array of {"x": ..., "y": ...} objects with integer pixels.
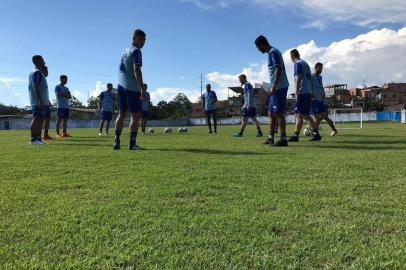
[{"x": 24, "y": 123}]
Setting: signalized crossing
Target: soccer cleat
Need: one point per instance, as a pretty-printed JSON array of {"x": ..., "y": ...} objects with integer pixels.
[
  {"x": 47, "y": 137},
  {"x": 116, "y": 145},
  {"x": 210, "y": 132},
  {"x": 215, "y": 131},
  {"x": 66, "y": 135},
  {"x": 36, "y": 142},
  {"x": 293, "y": 139},
  {"x": 316, "y": 138},
  {"x": 333, "y": 133},
  {"x": 283, "y": 143},
  {"x": 269, "y": 141},
  {"x": 135, "y": 147},
  {"x": 259, "y": 134},
  {"x": 58, "y": 136},
  {"x": 100, "y": 134},
  {"x": 237, "y": 134}
]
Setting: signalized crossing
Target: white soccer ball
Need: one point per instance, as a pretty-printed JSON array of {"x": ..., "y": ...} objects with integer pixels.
[
  {"x": 180, "y": 130},
  {"x": 168, "y": 130},
  {"x": 307, "y": 132},
  {"x": 151, "y": 130},
  {"x": 185, "y": 129}
]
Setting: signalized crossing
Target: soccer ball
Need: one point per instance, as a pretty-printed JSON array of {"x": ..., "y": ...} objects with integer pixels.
[
  {"x": 168, "y": 130},
  {"x": 185, "y": 129},
  {"x": 306, "y": 132},
  {"x": 180, "y": 130},
  {"x": 151, "y": 130}
]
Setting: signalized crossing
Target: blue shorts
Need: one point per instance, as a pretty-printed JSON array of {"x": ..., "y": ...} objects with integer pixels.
[
  {"x": 128, "y": 101},
  {"x": 106, "y": 115},
  {"x": 246, "y": 113},
  {"x": 303, "y": 103},
  {"x": 63, "y": 113},
  {"x": 45, "y": 113},
  {"x": 318, "y": 107},
  {"x": 277, "y": 102},
  {"x": 144, "y": 114}
]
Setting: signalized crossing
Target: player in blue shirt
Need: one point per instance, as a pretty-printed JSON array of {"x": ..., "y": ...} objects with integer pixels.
[
  {"x": 47, "y": 119},
  {"x": 145, "y": 109},
  {"x": 63, "y": 96},
  {"x": 303, "y": 97},
  {"x": 277, "y": 93},
  {"x": 106, "y": 108},
  {"x": 130, "y": 90},
  {"x": 209, "y": 100},
  {"x": 39, "y": 98},
  {"x": 319, "y": 104},
  {"x": 248, "y": 109}
]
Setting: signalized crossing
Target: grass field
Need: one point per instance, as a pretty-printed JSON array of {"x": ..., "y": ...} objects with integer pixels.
[{"x": 194, "y": 201}]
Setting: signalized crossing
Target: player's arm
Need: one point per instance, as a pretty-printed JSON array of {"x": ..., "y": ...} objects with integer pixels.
[
  {"x": 137, "y": 62},
  {"x": 37, "y": 88},
  {"x": 298, "y": 77},
  {"x": 100, "y": 102},
  {"x": 278, "y": 72},
  {"x": 203, "y": 102},
  {"x": 250, "y": 94},
  {"x": 215, "y": 98}
]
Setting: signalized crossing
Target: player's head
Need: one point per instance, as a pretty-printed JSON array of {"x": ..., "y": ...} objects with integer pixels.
[
  {"x": 295, "y": 55},
  {"x": 318, "y": 68},
  {"x": 242, "y": 78},
  {"x": 63, "y": 79},
  {"x": 139, "y": 38},
  {"x": 45, "y": 71},
  {"x": 262, "y": 44},
  {"x": 109, "y": 87},
  {"x": 208, "y": 87},
  {"x": 145, "y": 86},
  {"x": 38, "y": 61}
]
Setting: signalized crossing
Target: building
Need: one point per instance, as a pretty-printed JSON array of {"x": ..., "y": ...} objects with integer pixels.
[{"x": 336, "y": 90}]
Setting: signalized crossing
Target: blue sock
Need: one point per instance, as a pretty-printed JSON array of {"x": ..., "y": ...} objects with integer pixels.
[
  {"x": 117, "y": 135},
  {"x": 33, "y": 137},
  {"x": 133, "y": 138},
  {"x": 271, "y": 135},
  {"x": 316, "y": 131}
]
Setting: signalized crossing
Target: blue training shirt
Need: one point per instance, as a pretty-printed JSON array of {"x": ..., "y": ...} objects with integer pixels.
[
  {"x": 302, "y": 69},
  {"x": 61, "y": 102},
  {"x": 37, "y": 77},
  {"x": 145, "y": 102},
  {"x": 275, "y": 59},
  {"x": 317, "y": 87},
  {"x": 107, "y": 100},
  {"x": 126, "y": 77},
  {"x": 249, "y": 90},
  {"x": 209, "y": 100}
]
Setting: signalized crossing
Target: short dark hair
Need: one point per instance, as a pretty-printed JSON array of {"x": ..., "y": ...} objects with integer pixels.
[
  {"x": 295, "y": 53},
  {"x": 63, "y": 77},
  {"x": 243, "y": 76},
  {"x": 36, "y": 58},
  {"x": 110, "y": 84},
  {"x": 261, "y": 40},
  {"x": 318, "y": 64},
  {"x": 139, "y": 32}
]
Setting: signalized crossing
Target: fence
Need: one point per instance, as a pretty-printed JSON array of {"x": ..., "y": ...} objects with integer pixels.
[{"x": 24, "y": 123}]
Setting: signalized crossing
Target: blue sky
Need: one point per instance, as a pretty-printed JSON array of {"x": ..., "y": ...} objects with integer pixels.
[{"x": 185, "y": 38}]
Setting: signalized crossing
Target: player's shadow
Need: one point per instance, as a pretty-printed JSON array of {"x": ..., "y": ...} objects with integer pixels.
[
  {"x": 212, "y": 151},
  {"x": 83, "y": 145},
  {"x": 357, "y": 146}
]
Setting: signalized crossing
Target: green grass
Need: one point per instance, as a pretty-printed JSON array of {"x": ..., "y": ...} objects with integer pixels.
[{"x": 194, "y": 201}]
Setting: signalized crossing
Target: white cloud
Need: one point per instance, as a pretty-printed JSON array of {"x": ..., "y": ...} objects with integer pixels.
[
  {"x": 374, "y": 58},
  {"x": 365, "y": 13},
  {"x": 98, "y": 88},
  {"x": 168, "y": 93},
  {"x": 9, "y": 81}
]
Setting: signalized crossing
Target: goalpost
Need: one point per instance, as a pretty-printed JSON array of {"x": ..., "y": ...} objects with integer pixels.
[
  {"x": 403, "y": 116},
  {"x": 351, "y": 118}
]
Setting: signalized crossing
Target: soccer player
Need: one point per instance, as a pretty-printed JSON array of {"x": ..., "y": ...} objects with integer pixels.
[
  {"x": 303, "y": 97},
  {"x": 63, "y": 96},
  {"x": 131, "y": 90},
  {"x": 145, "y": 109},
  {"x": 47, "y": 119},
  {"x": 277, "y": 93},
  {"x": 209, "y": 100},
  {"x": 249, "y": 107},
  {"x": 106, "y": 108},
  {"x": 39, "y": 98},
  {"x": 319, "y": 104}
]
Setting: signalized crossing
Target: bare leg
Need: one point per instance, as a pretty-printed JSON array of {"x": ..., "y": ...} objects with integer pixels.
[
  {"x": 58, "y": 124},
  {"x": 101, "y": 125},
  {"x": 65, "y": 124},
  {"x": 46, "y": 126},
  {"x": 215, "y": 121}
]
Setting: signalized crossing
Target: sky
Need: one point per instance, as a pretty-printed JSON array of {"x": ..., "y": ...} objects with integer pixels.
[{"x": 360, "y": 42}]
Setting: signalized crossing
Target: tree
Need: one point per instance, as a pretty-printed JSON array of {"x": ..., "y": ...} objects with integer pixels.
[
  {"x": 75, "y": 103},
  {"x": 179, "y": 107},
  {"x": 93, "y": 103},
  {"x": 333, "y": 102}
]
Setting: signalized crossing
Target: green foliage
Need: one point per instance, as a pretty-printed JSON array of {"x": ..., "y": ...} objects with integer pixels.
[
  {"x": 75, "y": 103},
  {"x": 180, "y": 107},
  {"x": 93, "y": 103},
  {"x": 194, "y": 201}
]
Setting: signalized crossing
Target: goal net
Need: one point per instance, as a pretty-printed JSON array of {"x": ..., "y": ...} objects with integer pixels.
[{"x": 348, "y": 118}]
